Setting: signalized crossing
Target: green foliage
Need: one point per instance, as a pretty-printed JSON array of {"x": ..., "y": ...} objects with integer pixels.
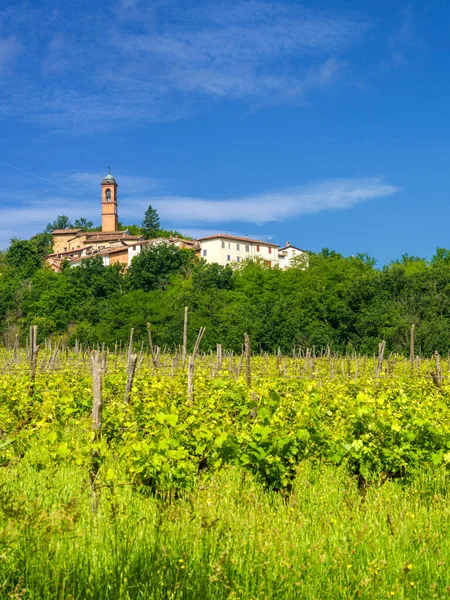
[
  {"x": 61, "y": 222},
  {"x": 150, "y": 224},
  {"x": 227, "y": 495},
  {"x": 344, "y": 303},
  {"x": 83, "y": 224},
  {"x": 42, "y": 243},
  {"x": 212, "y": 276},
  {"x": 155, "y": 266},
  {"x": 23, "y": 256}
]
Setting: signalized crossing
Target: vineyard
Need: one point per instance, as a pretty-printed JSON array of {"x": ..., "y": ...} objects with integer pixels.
[{"x": 139, "y": 473}]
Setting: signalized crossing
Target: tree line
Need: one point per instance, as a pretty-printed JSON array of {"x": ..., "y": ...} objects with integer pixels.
[{"x": 344, "y": 303}]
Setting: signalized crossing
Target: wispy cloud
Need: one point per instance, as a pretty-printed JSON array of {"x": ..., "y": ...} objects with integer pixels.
[
  {"x": 10, "y": 48},
  {"x": 404, "y": 41},
  {"x": 139, "y": 62},
  {"x": 273, "y": 206},
  {"x": 191, "y": 214}
]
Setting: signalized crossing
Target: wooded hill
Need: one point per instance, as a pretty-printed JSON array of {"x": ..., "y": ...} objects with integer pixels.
[{"x": 345, "y": 303}]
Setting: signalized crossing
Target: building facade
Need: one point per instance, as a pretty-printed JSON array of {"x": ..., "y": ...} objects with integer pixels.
[
  {"x": 227, "y": 249},
  {"x": 75, "y": 245},
  {"x": 119, "y": 247},
  {"x": 288, "y": 253}
]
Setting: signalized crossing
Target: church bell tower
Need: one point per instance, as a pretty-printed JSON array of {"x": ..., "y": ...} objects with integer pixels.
[{"x": 110, "y": 216}]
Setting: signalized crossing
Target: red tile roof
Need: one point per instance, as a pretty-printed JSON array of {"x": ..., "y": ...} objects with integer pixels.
[
  {"x": 66, "y": 231},
  {"x": 224, "y": 236},
  {"x": 99, "y": 236},
  {"x": 74, "y": 251},
  {"x": 107, "y": 251}
]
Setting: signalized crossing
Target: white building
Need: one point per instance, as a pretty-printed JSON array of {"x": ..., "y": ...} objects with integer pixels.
[
  {"x": 288, "y": 252},
  {"x": 225, "y": 249}
]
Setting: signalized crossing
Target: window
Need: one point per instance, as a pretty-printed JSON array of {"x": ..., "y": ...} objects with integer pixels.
[
  {"x": 270, "y": 249},
  {"x": 223, "y": 244},
  {"x": 228, "y": 257},
  {"x": 257, "y": 248},
  {"x": 204, "y": 252},
  {"x": 238, "y": 259},
  {"x": 247, "y": 248},
  {"x": 229, "y": 245},
  {"x": 238, "y": 246}
]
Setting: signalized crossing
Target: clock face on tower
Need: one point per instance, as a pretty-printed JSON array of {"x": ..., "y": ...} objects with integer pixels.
[{"x": 108, "y": 195}]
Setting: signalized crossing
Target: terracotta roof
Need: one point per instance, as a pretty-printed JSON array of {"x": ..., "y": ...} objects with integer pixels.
[
  {"x": 107, "y": 251},
  {"x": 183, "y": 241},
  {"x": 110, "y": 235},
  {"x": 66, "y": 231},
  {"x": 75, "y": 251},
  {"x": 224, "y": 236},
  {"x": 141, "y": 243}
]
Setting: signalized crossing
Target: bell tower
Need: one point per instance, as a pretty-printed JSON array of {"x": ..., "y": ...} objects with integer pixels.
[{"x": 110, "y": 215}]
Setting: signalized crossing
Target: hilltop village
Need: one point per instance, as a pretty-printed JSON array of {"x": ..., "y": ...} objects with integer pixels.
[{"x": 116, "y": 246}]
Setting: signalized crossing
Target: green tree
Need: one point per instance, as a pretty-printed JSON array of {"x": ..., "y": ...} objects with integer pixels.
[
  {"x": 43, "y": 243},
  {"x": 212, "y": 275},
  {"x": 61, "y": 222},
  {"x": 155, "y": 266},
  {"x": 150, "y": 224},
  {"x": 83, "y": 224},
  {"x": 23, "y": 256}
]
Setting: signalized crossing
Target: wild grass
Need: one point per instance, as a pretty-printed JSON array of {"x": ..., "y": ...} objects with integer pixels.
[{"x": 227, "y": 539}]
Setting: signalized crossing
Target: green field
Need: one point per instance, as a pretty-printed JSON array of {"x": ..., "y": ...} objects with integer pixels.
[{"x": 304, "y": 477}]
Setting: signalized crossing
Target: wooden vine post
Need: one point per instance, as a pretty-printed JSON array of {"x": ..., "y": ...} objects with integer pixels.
[
  {"x": 131, "y": 370},
  {"x": 185, "y": 337},
  {"x": 96, "y": 364},
  {"x": 411, "y": 348},
  {"x": 130, "y": 345},
  {"x": 33, "y": 353},
  {"x": 436, "y": 375},
  {"x": 191, "y": 363},
  {"x": 219, "y": 356},
  {"x": 247, "y": 352},
  {"x": 381, "y": 347},
  {"x": 150, "y": 343}
]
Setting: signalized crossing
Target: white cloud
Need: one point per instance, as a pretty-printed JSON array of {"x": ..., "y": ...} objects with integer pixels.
[
  {"x": 271, "y": 206},
  {"x": 10, "y": 48},
  {"x": 405, "y": 43},
  {"x": 201, "y": 216},
  {"x": 163, "y": 60}
]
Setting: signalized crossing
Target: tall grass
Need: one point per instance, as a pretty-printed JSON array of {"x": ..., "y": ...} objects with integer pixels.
[{"x": 227, "y": 539}]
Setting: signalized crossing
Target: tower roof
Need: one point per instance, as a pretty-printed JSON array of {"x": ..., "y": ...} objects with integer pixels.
[{"x": 108, "y": 178}]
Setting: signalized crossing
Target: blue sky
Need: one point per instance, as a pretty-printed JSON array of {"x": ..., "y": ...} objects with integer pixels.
[{"x": 325, "y": 124}]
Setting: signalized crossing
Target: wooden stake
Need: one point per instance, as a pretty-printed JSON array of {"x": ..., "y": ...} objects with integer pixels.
[
  {"x": 131, "y": 370},
  {"x": 381, "y": 348},
  {"x": 219, "y": 356},
  {"x": 198, "y": 340},
  {"x": 96, "y": 363},
  {"x": 130, "y": 345},
  {"x": 411, "y": 347},
  {"x": 150, "y": 342},
  {"x": 33, "y": 352},
  {"x": 436, "y": 375},
  {"x": 191, "y": 363},
  {"x": 247, "y": 351},
  {"x": 185, "y": 337}
]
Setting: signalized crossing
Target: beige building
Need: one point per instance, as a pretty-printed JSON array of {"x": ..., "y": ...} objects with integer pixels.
[
  {"x": 226, "y": 249},
  {"x": 114, "y": 246},
  {"x": 288, "y": 253},
  {"x": 75, "y": 245}
]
